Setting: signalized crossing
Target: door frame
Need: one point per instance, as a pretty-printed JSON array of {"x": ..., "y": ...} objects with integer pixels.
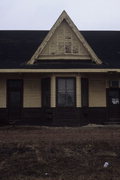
[{"x": 69, "y": 77}]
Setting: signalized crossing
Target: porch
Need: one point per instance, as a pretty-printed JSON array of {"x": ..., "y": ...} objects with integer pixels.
[{"x": 59, "y": 99}]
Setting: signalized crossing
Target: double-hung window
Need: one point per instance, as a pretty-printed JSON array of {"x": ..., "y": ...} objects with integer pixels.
[{"x": 65, "y": 92}]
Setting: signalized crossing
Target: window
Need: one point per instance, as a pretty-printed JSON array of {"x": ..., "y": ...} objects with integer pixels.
[
  {"x": 65, "y": 92},
  {"x": 84, "y": 92},
  {"x": 114, "y": 96},
  {"x": 14, "y": 84},
  {"x": 68, "y": 47},
  {"x": 114, "y": 84}
]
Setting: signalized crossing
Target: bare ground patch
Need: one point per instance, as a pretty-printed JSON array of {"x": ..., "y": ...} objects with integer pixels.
[{"x": 32, "y": 153}]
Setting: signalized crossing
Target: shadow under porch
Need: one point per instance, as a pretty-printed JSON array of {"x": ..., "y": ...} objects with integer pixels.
[{"x": 57, "y": 116}]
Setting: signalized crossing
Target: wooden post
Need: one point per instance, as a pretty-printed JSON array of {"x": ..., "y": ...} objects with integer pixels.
[
  {"x": 53, "y": 91},
  {"x": 78, "y": 91}
]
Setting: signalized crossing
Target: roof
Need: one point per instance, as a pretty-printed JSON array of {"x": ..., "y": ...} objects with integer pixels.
[{"x": 17, "y": 47}]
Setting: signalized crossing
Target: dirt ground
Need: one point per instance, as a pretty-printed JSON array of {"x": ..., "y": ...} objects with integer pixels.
[{"x": 60, "y": 153}]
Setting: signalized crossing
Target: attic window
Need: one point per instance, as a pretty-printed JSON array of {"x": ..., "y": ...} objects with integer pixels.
[
  {"x": 68, "y": 47},
  {"x": 75, "y": 49}
]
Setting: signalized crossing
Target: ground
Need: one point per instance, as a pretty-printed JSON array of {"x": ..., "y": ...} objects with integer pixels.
[{"x": 51, "y": 153}]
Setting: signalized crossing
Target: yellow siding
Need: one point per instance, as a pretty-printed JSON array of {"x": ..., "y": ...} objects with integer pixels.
[
  {"x": 2, "y": 93},
  {"x": 32, "y": 93},
  {"x": 32, "y": 90},
  {"x": 97, "y": 93}
]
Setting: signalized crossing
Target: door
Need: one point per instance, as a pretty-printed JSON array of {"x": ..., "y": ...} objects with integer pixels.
[
  {"x": 14, "y": 99},
  {"x": 114, "y": 104},
  {"x": 45, "y": 92}
]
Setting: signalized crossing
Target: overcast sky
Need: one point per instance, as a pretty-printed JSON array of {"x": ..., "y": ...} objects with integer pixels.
[{"x": 42, "y": 14}]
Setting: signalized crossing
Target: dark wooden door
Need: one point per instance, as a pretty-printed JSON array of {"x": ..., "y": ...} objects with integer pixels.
[
  {"x": 45, "y": 92},
  {"x": 113, "y": 99},
  {"x": 14, "y": 99}
]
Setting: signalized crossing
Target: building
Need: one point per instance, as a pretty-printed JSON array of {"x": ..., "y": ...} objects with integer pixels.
[{"x": 60, "y": 77}]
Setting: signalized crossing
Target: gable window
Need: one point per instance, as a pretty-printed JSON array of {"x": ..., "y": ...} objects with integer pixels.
[
  {"x": 65, "y": 92},
  {"x": 68, "y": 47}
]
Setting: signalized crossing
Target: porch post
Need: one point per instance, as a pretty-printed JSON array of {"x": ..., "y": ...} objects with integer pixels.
[
  {"x": 53, "y": 91},
  {"x": 78, "y": 91}
]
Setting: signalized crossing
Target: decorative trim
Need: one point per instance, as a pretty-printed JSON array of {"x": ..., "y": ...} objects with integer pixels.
[
  {"x": 59, "y": 70},
  {"x": 66, "y": 57}
]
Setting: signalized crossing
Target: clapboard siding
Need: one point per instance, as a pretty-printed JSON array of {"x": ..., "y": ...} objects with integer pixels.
[
  {"x": 32, "y": 93},
  {"x": 97, "y": 93}
]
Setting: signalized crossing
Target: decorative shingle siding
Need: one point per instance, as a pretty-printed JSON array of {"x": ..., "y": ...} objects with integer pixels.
[{"x": 64, "y": 42}]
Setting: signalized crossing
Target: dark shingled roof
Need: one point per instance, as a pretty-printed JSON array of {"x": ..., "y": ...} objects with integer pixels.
[{"x": 17, "y": 47}]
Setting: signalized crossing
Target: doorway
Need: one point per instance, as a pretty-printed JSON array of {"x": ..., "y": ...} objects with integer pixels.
[
  {"x": 45, "y": 92},
  {"x": 113, "y": 102},
  {"x": 14, "y": 99}
]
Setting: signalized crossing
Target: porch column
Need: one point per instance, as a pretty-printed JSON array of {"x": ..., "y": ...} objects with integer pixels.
[
  {"x": 53, "y": 91},
  {"x": 78, "y": 91}
]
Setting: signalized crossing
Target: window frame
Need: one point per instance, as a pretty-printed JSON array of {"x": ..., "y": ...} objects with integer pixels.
[
  {"x": 113, "y": 81},
  {"x": 74, "y": 82}
]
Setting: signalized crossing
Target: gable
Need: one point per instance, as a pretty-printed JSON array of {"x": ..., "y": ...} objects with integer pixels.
[
  {"x": 64, "y": 44},
  {"x": 64, "y": 41}
]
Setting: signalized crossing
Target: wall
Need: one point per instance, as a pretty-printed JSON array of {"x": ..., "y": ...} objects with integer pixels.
[
  {"x": 32, "y": 89},
  {"x": 97, "y": 93},
  {"x": 32, "y": 92}
]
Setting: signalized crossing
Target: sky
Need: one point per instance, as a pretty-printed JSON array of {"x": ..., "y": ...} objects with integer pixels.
[{"x": 42, "y": 14}]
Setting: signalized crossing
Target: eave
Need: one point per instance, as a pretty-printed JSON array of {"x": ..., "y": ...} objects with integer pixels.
[{"x": 59, "y": 70}]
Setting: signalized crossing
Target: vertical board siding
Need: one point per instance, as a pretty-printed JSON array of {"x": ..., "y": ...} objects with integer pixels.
[
  {"x": 32, "y": 93},
  {"x": 97, "y": 93}
]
